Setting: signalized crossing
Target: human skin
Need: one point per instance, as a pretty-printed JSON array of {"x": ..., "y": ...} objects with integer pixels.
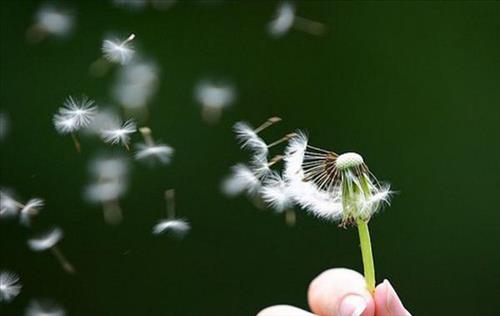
[{"x": 342, "y": 292}]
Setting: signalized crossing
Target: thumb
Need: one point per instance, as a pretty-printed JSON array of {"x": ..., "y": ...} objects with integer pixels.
[{"x": 387, "y": 301}]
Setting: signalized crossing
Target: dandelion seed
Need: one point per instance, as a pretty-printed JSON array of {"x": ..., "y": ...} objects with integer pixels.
[
  {"x": 30, "y": 209},
  {"x": 74, "y": 115},
  {"x": 44, "y": 308},
  {"x": 135, "y": 86},
  {"x": 117, "y": 51},
  {"x": 51, "y": 21},
  {"x": 10, "y": 287},
  {"x": 286, "y": 18},
  {"x": 9, "y": 207},
  {"x": 151, "y": 151},
  {"x": 119, "y": 133},
  {"x": 276, "y": 193},
  {"x": 110, "y": 183},
  {"x": 176, "y": 227},
  {"x": 214, "y": 97},
  {"x": 48, "y": 241},
  {"x": 241, "y": 180}
]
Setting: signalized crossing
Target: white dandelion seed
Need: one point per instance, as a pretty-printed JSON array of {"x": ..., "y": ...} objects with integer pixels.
[
  {"x": 44, "y": 308},
  {"x": 286, "y": 18},
  {"x": 117, "y": 51},
  {"x": 176, "y": 227},
  {"x": 74, "y": 115},
  {"x": 151, "y": 151},
  {"x": 9, "y": 207},
  {"x": 214, "y": 97},
  {"x": 119, "y": 133},
  {"x": 81, "y": 110},
  {"x": 51, "y": 21},
  {"x": 136, "y": 84},
  {"x": 241, "y": 180},
  {"x": 276, "y": 192},
  {"x": 49, "y": 241},
  {"x": 332, "y": 186},
  {"x": 65, "y": 124},
  {"x": 109, "y": 183},
  {"x": 10, "y": 287},
  {"x": 30, "y": 209}
]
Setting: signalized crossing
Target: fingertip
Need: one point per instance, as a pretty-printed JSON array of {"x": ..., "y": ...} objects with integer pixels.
[
  {"x": 340, "y": 292},
  {"x": 388, "y": 302},
  {"x": 282, "y": 310}
]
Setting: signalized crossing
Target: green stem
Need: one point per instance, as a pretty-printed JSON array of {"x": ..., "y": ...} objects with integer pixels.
[{"x": 366, "y": 252}]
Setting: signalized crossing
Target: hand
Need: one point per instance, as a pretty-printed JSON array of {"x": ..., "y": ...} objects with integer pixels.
[{"x": 342, "y": 292}]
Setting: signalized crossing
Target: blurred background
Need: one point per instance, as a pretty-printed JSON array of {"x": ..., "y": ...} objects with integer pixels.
[{"x": 413, "y": 87}]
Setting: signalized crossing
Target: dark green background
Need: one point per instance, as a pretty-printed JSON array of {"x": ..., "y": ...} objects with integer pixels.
[{"x": 413, "y": 86}]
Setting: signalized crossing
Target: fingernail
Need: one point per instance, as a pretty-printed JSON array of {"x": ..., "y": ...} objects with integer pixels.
[
  {"x": 393, "y": 302},
  {"x": 352, "y": 305}
]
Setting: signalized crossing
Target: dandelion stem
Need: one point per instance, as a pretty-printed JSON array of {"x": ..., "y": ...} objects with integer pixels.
[
  {"x": 127, "y": 147},
  {"x": 266, "y": 124},
  {"x": 309, "y": 26},
  {"x": 366, "y": 253},
  {"x": 170, "y": 199},
  {"x": 146, "y": 134},
  {"x": 290, "y": 217},
  {"x": 67, "y": 266},
  {"x": 76, "y": 142}
]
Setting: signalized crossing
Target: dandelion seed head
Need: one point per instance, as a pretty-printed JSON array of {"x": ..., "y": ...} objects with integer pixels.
[
  {"x": 10, "y": 287},
  {"x": 332, "y": 186},
  {"x": 118, "y": 51},
  {"x": 30, "y": 209},
  {"x": 46, "y": 240},
  {"x": 349, "y": 160},
  {"x": 81, "y": 110},
  {"x": 176, "y": 227},
  {"x": 44, "y": 308},
  {"x": 283, "y": 21}
]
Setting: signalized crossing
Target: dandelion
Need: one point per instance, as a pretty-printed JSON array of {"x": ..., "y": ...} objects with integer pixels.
[
  {"x": 286, "y": 18},
  {"x": 44, "y": 308},
  {"x": 51, "y": 21},
  {"x": 48, "y": 241},
  {"x": 30, "y": 209},
  {"x": 117, "y": 51},
  {"x": 336, "y": 187},
  {"x": 110, "y": 177},
  {"x": 119, "y": 133},
  {"x": 214, "y": 97},
  {"x": 151, "y": 151},
  {"x": 171, "y": 225},
  {"x": 10, "y": 287},
  {"x": 74, "y": 115}
]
